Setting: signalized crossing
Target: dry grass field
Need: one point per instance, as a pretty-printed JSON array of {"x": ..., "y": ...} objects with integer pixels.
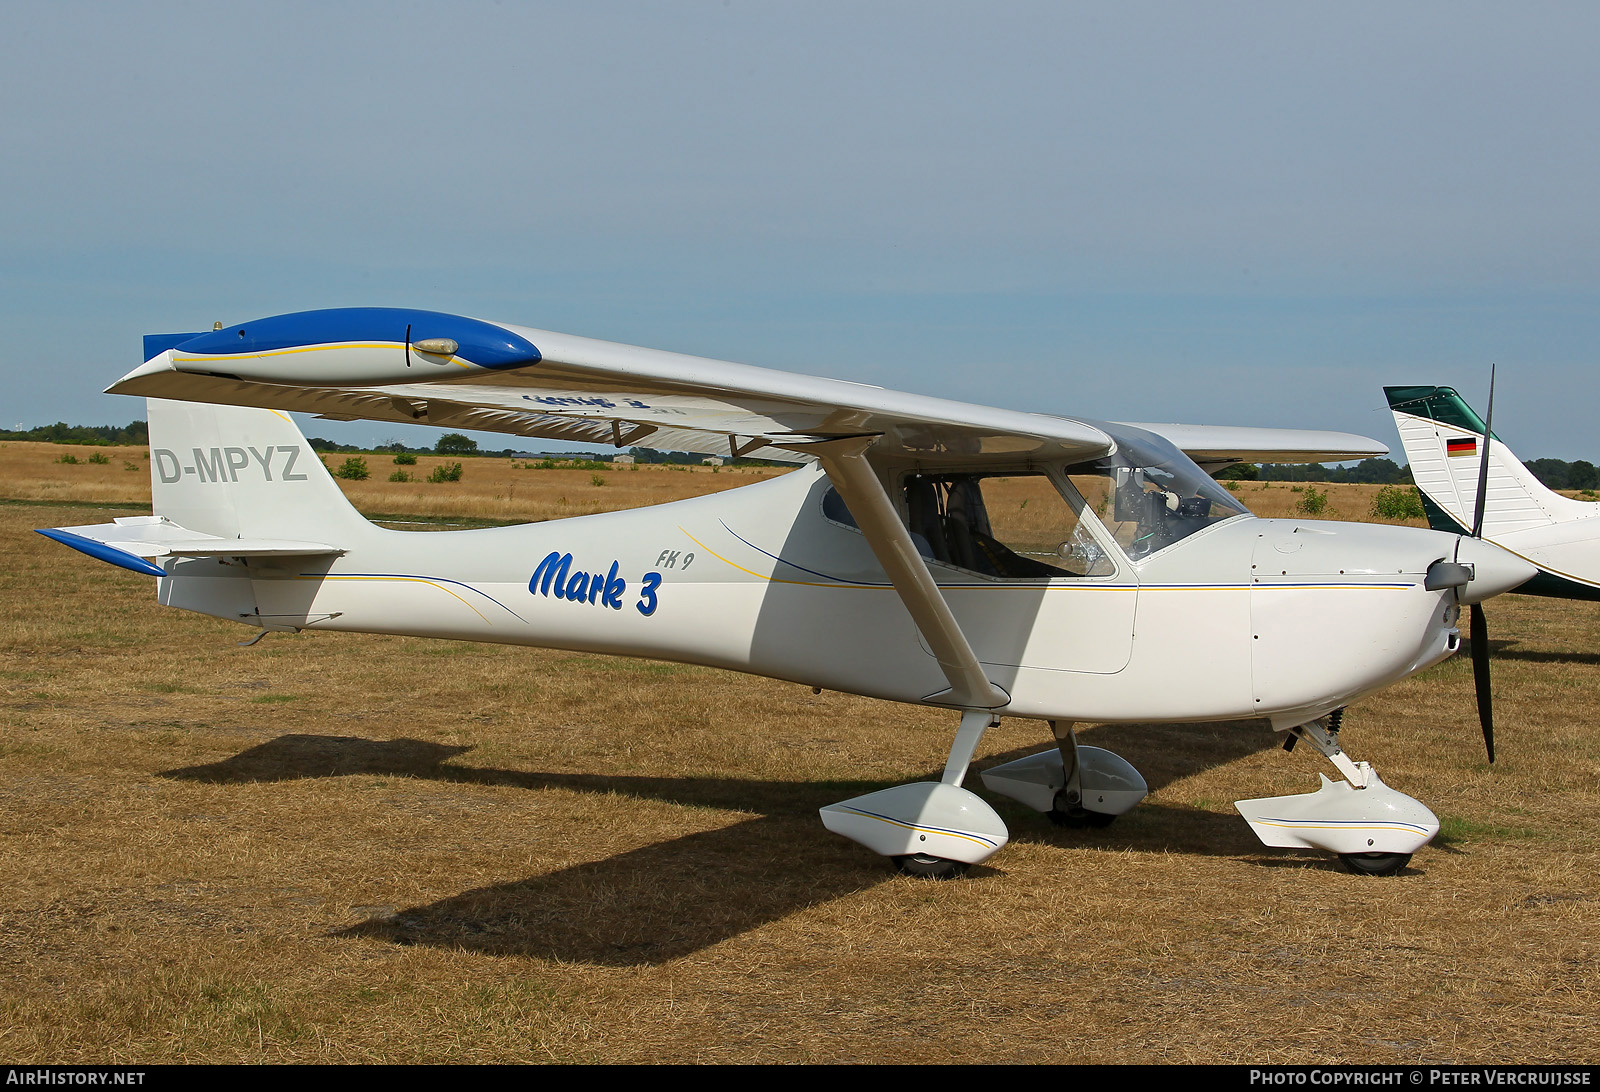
[
  {"x": 499, "y": 490},
  {"x": 342, "y": 848}
]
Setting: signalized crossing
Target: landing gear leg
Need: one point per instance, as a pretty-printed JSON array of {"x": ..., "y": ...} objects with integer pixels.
[
  {"x": 1372, "y": 828},
  {"x": 1067, "y": 809}
]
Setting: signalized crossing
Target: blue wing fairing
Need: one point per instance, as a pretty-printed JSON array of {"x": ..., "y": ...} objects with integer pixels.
[{"x": 482, "y": 343}]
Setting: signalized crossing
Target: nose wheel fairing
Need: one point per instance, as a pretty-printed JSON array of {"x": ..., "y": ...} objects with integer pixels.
[
  {"x": 1359, "y": 818},
  {"x": 1340, "y": 818}
]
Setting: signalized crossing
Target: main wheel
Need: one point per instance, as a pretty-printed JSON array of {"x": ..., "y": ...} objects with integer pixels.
[
  {"x": 1375, "y": 864},
  {"x": 1071, "y": 814},
  {"x": 930, "y": 868},
  {"x": 1080, "y": 818},
  {"x": 1068, "y": 810}
]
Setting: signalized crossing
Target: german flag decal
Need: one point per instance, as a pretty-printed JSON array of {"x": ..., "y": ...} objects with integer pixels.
[{"x": 1465, "y": 446}]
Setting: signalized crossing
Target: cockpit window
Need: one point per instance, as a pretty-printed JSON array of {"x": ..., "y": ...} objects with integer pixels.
[
  {"x": 1150, "y": 494},
  {"x": 1005, "y": 525}
]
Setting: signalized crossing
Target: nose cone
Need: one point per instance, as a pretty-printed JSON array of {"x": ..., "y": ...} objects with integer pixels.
[{"x": 1494, "y": 570}]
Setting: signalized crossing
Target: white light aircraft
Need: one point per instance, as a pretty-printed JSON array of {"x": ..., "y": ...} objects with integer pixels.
[{"x": 979, "y": 560}]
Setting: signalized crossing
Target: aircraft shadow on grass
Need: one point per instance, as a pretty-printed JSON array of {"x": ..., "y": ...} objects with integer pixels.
[
  {"x": 1532, "y": 656},
  {"x": 1508, "y": 650},
  {"x": 675, "y": 897}
]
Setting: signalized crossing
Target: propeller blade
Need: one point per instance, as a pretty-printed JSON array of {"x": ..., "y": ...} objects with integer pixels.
[
  {"x": 1480, "y": 676},
  {"x": 1483, "y": 468}
]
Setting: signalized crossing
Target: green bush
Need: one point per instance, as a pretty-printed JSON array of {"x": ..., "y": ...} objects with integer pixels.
[
  {"x": 354, "y": 469},
  {"x": 99, "y": 458},
  {"x": 446, "y": 472},
  {"x": 405, "y": 458},
  {"x": 399, "y": 476},
  {"x": 596, "y": 480},
  {"x": 70, "y": 460},
  {"x": 1314, "y": 503},
  {"x": 1397, "y": 502}
]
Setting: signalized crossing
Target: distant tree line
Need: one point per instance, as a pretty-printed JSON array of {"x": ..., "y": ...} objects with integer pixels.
[
  {"x": 651, "y": 455},
  {"x": 451, "y": 443},
  {"x": 686, "y": 458},
  {"x": 1560, "y": 474},
  {"x": 1367, "y": 471},
  {"x": 1554, "y": 473},
  {"x": 135, "y": 433}
]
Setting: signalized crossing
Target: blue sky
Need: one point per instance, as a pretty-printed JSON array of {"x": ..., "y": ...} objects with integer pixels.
[{"x": 1226, "y": 213}]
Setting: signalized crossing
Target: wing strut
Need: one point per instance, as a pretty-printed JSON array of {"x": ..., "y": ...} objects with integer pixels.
[{"x": 845, "y": 462}]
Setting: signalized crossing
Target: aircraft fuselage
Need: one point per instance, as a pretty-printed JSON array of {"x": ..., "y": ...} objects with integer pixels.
[{"x": 1250, "y": 617}]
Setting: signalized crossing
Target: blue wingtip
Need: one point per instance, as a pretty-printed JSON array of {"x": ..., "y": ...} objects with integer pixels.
[
  {"x": 101, "y": 552},
  {"x": 485, "y": 344}
]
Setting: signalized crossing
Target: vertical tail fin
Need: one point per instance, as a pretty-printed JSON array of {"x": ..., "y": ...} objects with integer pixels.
[
  {"x": 1441, "y": 435},
  {"x": 243, "y": 473}
]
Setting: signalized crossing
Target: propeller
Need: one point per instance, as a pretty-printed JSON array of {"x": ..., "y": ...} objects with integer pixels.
[
  {"x": 1480, "y": 676},
  {"x": 1480, "y": 625}
]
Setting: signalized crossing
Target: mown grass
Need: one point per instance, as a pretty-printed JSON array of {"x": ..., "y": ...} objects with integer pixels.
[{"x": 442, "y": 851}]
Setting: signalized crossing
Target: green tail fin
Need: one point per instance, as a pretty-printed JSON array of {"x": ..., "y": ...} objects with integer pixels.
[{"x": 1440, "y": 404}]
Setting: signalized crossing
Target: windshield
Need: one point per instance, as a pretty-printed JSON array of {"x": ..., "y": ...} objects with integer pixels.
[{"x": 1150, "y": 494}]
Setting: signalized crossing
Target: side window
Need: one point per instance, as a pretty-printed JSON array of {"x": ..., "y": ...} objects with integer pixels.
[
  {"x": 1012, "y": 525},
  {"x": 834, "y": 508}
]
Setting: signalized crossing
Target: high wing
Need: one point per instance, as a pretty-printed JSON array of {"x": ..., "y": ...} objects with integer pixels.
[
  {"x": 410, "y": 367},
  {"x": 1217, "y": 446},
  {"x": 422, "y": 367}
]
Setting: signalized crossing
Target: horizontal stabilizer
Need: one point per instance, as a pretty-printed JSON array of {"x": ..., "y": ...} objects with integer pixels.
[{"x": 129, "y": 541}]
